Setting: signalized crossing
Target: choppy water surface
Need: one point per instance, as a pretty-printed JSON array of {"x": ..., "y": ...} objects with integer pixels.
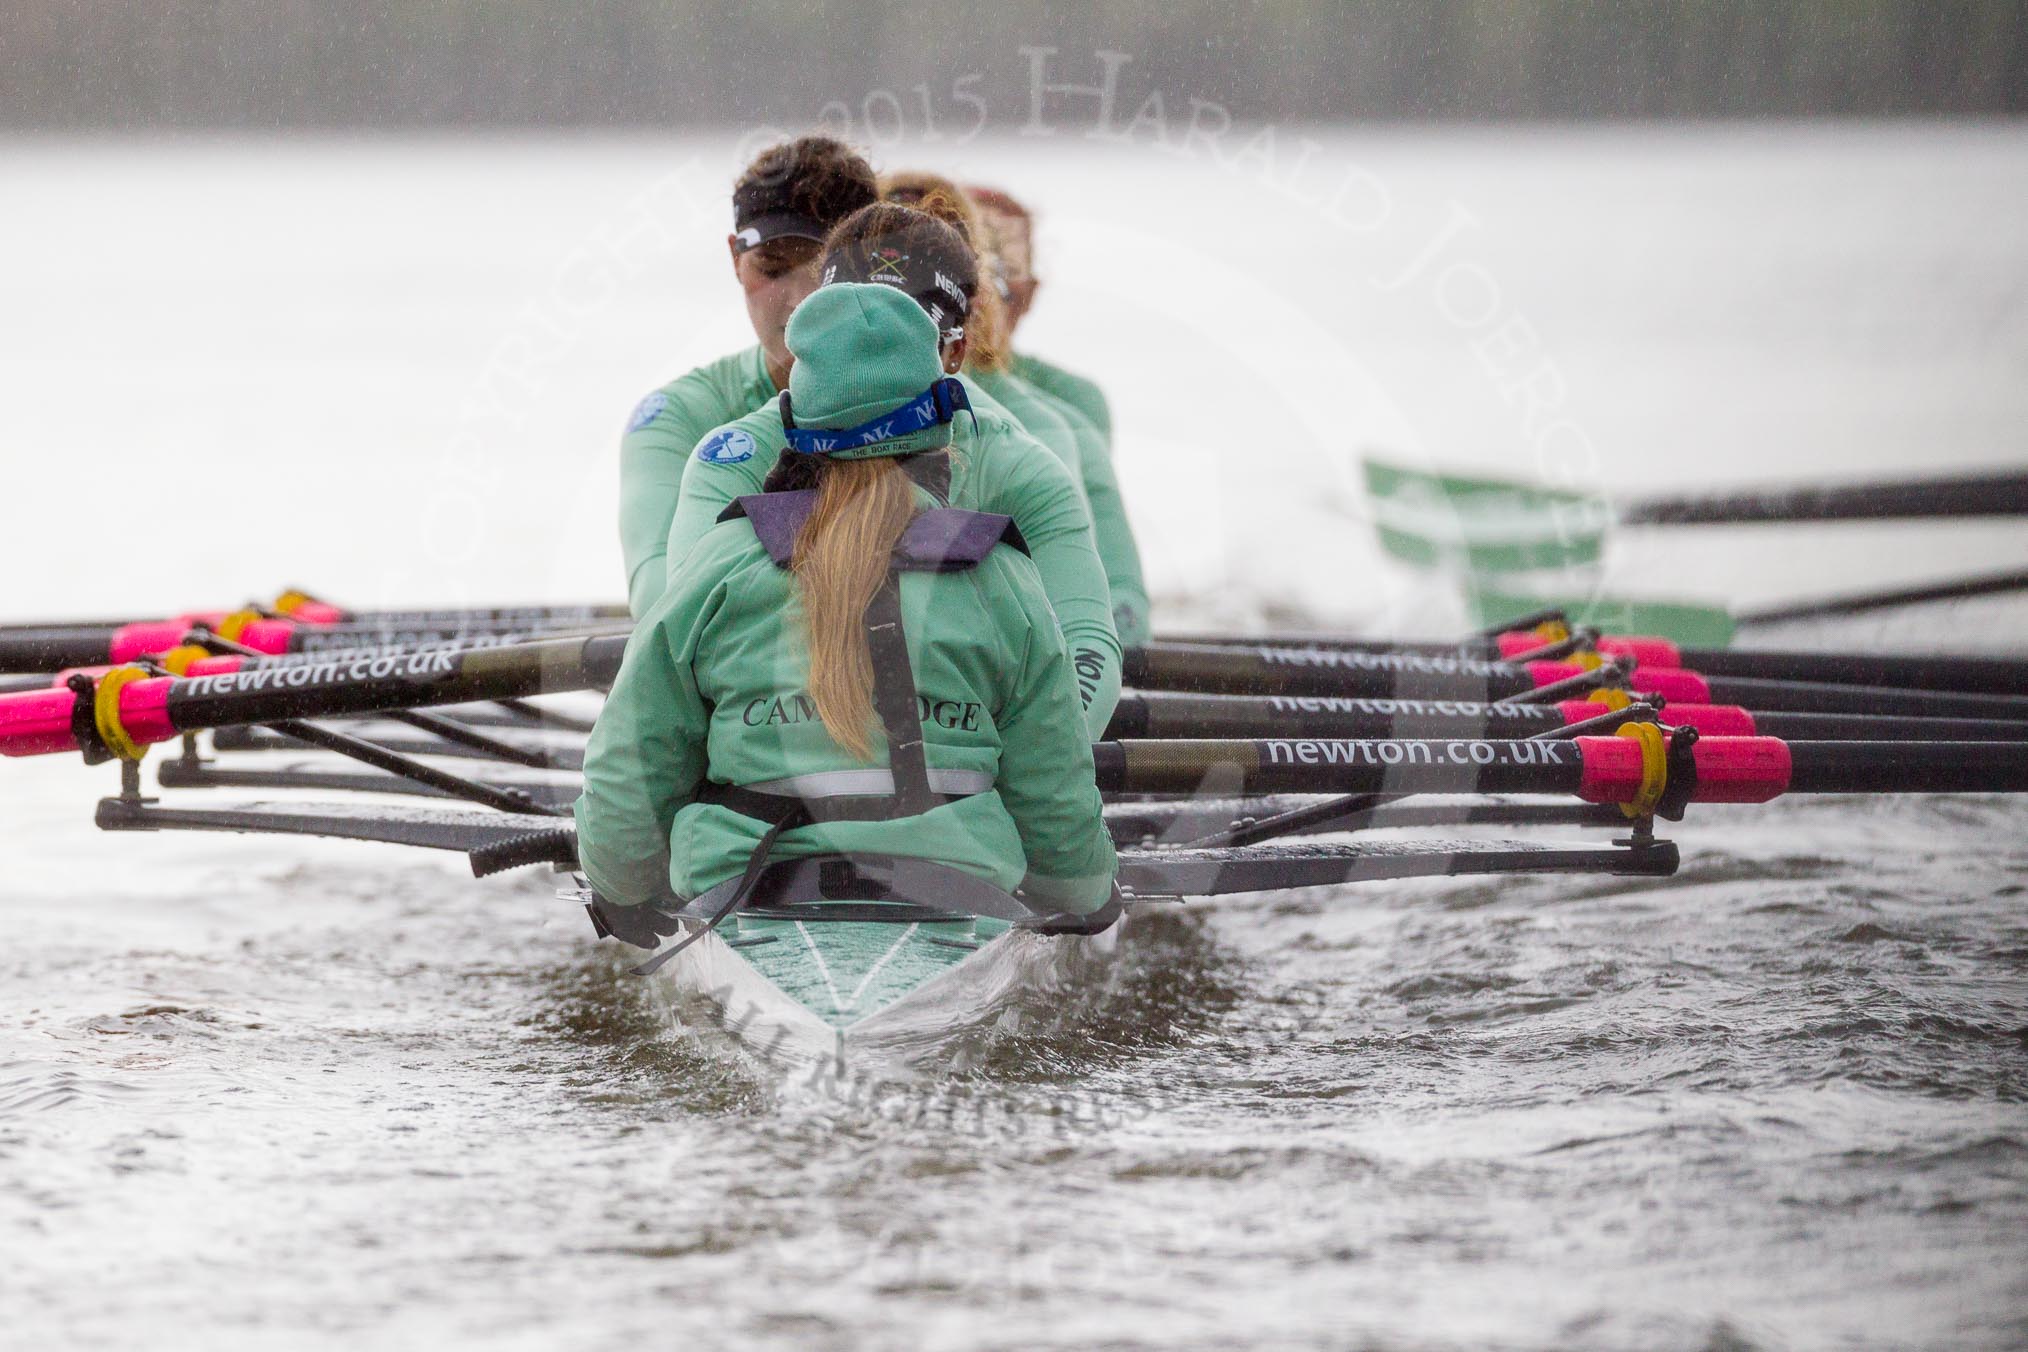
[
  {"x": 1775, "y": 1101},
  {"x": 259, "y": 1093}
]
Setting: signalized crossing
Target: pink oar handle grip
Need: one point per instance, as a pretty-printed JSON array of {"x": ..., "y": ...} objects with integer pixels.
[
  {"x": 203, "y": 666},
  {"x": 1729, "y": 769},
  {"x": 1713, "y": 720},
  {"x": 37, "y": 722},
  {"x": 268, "y": 636},
  {"x": 1672, "y": 683},
  {"x": 152, "y": 638},
  {"x": 1646, "y": 651}
]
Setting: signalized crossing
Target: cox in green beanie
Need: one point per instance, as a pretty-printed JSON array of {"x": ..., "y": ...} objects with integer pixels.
[{"x": 867, "y": 379}]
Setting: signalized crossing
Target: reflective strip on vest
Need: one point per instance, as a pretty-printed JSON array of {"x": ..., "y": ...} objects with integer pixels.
[{"x": 870, "y": 782}]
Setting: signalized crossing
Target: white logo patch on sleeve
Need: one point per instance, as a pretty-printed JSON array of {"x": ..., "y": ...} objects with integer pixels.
[
  {"x": 728, "y": 446},
  {"x": 647, "y": 411}
]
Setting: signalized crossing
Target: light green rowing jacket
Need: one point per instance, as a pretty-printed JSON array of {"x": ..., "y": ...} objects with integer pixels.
[
  {"x": 664, "y": 429},
  {"x": 714, "y": 686},
  {"x": 1081, "y": 394},
  {"x": 1091, "y": 419},
  {"x": 668, "y": 423},
  {"x": 996, "y": 467}
]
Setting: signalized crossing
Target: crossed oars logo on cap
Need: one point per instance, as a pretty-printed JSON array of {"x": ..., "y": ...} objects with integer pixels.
[{"x": 887, "y": 266}]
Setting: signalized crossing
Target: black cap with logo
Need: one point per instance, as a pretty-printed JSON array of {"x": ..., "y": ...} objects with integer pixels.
[{"x": 799, "y": 190}]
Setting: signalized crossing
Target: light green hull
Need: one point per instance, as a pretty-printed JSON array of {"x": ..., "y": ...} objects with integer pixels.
[
  {"x": 793, "y": 991},
  {"x": 845, "y": 972}
]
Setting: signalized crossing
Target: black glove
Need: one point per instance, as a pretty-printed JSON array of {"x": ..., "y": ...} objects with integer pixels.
[
  {"x": 1098, "y": 922},
  {"x": 641, "y": 926}
]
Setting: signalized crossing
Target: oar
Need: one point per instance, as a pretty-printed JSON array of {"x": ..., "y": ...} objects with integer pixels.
[
  {"x": 1595, "y": 769},
  {"x": 1709, "y": 626},
  {"x": 1956, "y": 589},
  {"x": 1270, "y": 669},
  {"x": 306, "y": 609},
  {"x": 1992, "y": 675},
  {"x": 127, "y": 709},
  {"x": 45, "y": 650},
  {"x": 1167, "y": 715},
  {"x": 1492, "y": 524},
  {"x": 1483, "y": 526},
  {"x": 1599, "y": 770},
  {"x": 1156, "y": 715},
  {"x": 1999, "y": 492}
]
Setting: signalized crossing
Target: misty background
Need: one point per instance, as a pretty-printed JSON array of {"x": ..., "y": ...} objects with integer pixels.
[{"x": 679, "y": 63}]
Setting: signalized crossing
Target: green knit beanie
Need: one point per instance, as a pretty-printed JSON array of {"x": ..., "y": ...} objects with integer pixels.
[{"x": 868, "y": 380}]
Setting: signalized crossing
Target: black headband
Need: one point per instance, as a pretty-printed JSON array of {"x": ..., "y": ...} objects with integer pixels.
[{"x": 920, "y": 279}]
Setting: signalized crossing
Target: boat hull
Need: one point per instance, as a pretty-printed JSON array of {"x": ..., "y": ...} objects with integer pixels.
[{"x": 868, "y": 995}]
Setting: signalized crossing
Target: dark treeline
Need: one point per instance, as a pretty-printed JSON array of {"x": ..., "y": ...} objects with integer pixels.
[{"x": 352, "y": 63}]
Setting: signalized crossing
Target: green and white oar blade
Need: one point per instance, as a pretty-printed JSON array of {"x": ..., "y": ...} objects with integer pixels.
[
  {"x": 1482, "y": 525},
  {"x": 1686, "y": 622}
]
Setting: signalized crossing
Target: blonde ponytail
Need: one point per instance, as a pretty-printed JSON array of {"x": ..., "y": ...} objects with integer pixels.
[{"x": 840, "y": 560}]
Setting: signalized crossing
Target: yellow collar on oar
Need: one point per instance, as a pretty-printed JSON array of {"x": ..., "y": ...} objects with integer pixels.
[
  {"x": 106, "y": 711},
  {"x": 1654, "y": 768},
  {"x": 178, "y": 659},
  {"x": 232, "y": 625}
]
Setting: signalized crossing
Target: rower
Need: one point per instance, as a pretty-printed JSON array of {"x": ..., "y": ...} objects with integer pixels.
[
  {"x": 1011, "y": 229},
  {"x": 783, "y": 205},
  {"x": 1057, "y": 422},
  {"x": 771, "y": 706},
  {"x": 997, "y": 466}
]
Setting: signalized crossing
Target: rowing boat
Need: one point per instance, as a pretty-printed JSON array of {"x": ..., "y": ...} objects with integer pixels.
[{"x": 1235, "y": 768}]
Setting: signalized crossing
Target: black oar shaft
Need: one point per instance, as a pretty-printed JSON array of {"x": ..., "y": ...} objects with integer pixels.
[
  {"x": 126, "y": 711},
  {"x": 1601, "y": 769},
  {"x": 55, "y": 647},
  {"x": 1168, "y": 714},
  {"x": 1269, "y": 669},
  {"x": 1302, "y": 765},
  {"x": 1908, "y": 767},
  {"x": 1976, "y": 675},
  {"x": 498, "y": 617},
  {"x": 52, "y": 648},
  {"x": 1997, "y": 675},
  {"x": 1809, "y": 697},
  {"x": 356, "y": 685},
  {"x": 1861, "y": 728},
  {"x": 328, "y": 638},
  {"x": 1958, "y": 589},
  {"x": 2000, "y": 493}
]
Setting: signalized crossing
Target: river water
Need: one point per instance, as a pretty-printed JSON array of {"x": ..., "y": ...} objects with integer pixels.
[{"x": 259, "y": 1093}]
